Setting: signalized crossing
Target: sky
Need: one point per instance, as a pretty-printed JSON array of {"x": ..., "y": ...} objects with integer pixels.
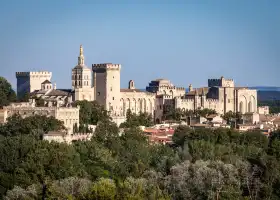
[{"x": 184, "y": 41}]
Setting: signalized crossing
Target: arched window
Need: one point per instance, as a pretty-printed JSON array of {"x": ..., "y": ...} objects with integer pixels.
[
  {"x": 250, "y": 106},
  {"x": 241, "y": 108}
]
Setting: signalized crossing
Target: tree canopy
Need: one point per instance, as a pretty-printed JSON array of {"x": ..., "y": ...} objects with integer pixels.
[
  {"x": 134, "y": 120},
  {"x": 203, "y": 164},
  {"x": 91, "y": 112},
  {"x": 7, "y": 94}
]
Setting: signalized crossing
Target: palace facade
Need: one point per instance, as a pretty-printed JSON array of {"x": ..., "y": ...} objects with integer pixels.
[{"x": 102, "y": 83}]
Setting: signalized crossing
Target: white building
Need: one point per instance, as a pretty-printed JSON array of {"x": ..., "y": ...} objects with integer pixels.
[{"x": 68, "y": 115}]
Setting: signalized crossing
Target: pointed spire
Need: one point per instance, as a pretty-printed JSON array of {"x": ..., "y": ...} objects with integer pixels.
[
  {"x": 81, "y": 50},
  {"x": 81, "y": 59}
]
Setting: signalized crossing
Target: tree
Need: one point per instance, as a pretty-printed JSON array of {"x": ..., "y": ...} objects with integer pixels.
[
  {"x": 204, "y": 180},
  {"x": 7, "y": 94},
  {"x": 134, "y": 120},
  {"x": 16, "y": 125},
  {"x": 205, "y": 112},
  {"x": 180, "y": 135},
  {"x": 91, "y": 112},
  {"x": 232, "y": 117},
  {"x": 104, "y": 189}
]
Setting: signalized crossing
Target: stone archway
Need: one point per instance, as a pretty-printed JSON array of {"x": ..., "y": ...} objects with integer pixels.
[
  {"x": 253, "y": 103},
  {"x": 243, "y": 104},
  {"x": 250, "y": 106},
  {"x": 241, "y": 107}
]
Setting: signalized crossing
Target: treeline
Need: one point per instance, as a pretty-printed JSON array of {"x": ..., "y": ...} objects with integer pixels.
[
  {"x": 274, "y": 105},
  {"x": 201, "y": 164}
]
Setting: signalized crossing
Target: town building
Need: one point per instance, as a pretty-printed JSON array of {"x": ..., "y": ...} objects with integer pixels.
[
  {"x": 28, "y": 82},
  {"x": 68, "y": 115},
  {"x": 102, "y": 83},
  {"x": 221, "y": 95}
]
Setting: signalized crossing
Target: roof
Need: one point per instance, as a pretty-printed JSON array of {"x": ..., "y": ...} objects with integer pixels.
[
  {"x": 240, "y": 88},
  {"x": 57, "y": 93},
  {"x": 211, "y": 116},
  {"x": 133, "y": 90},
  {"x": 199, "y": 91},
  {"x": 81, "y": 67},
  {"x": 46, "y": 82},
  {"x": 54, "y": 133}
]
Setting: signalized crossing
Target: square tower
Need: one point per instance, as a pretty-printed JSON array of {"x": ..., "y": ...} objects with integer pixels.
[
  {"x": 107, "y": 85},
  {"x": 28, "y": 82}
]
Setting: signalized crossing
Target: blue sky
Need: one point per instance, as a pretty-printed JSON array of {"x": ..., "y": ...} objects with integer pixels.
[{"x": 184, "y": 41}]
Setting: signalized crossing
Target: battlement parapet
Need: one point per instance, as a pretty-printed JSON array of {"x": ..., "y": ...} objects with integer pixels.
[
  {"x": 39, "y": 73},
  {"x": 187, "y": 100},
  {"x": 219, "y": 79},
  {"x": 181, "y": 88},
  {"x": 212, "y": 100},
  {"x": 166, "y": 96},
  {"x": 106, "y": 66}
]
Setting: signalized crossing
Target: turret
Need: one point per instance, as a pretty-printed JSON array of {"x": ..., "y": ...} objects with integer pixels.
[
  {"x": 131, "y": 85},
  {"x": 190, "y": 88}
]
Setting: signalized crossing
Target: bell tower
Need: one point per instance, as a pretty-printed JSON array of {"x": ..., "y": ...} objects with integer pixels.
[
  {"x": 81, "y": 74},
  {"x": 82, "y": 79}
]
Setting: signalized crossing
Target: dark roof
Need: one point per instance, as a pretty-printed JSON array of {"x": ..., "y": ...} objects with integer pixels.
[
  {"x": 57, "y": 93},
  {"x": 66, "y": 90},
  {"x": 46, "y": 81},
  {"x": 81, "y": 67}
]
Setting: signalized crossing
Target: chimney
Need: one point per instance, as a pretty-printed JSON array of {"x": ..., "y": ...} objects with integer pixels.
[{"x": 54, "y": 86}]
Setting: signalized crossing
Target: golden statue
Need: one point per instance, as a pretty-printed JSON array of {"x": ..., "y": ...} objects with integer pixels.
[{"x": 81, "y": 50}]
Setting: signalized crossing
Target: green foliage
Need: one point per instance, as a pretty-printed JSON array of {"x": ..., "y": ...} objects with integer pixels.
[
  {"x": 178, "y": 114},
  {"x": 232, "y": 118},
  {"x": 134, "y": 120},
  {"x": 37, "y": 124},
  {"x": 7, "y": 94},
  {"x": 91, "y": 112},
  {"x": 203, "y": 164}
]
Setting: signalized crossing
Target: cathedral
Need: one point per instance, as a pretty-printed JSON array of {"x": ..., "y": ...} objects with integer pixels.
[{"x": 101, "y": 82}]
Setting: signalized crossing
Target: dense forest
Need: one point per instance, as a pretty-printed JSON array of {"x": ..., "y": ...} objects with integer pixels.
[{"x": 201, "y": 164}]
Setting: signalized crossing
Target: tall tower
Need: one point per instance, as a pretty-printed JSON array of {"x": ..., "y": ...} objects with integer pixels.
[
  {"x": 28, "y": 82},
  {"x": 107, "y": 86},
  {"x": 82, "y": 79},
  {"x": 81, "y": 74}
]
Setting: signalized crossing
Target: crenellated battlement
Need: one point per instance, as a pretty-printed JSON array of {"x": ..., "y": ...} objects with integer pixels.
[
  {"x": 222, "y": 82},
  {"x": 38, "y": 73},
  {"x": 172, "y": 87},
  {"x": 106, "y": 66},
  {"x": 212, "y": 100},
  {"x": 181, "y": 88}
]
